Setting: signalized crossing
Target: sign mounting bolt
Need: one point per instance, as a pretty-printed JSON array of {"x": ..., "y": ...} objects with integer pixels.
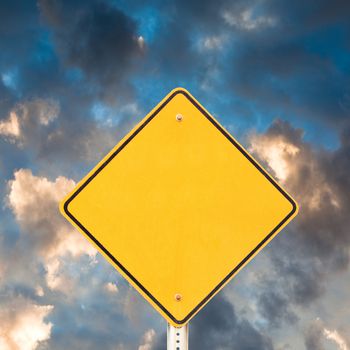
[
  {"x": 178, "y": 297},
  {"x": 179, "y": 117}
]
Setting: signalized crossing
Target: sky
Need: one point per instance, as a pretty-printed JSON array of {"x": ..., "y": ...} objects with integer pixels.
[{"x": 76, "y": 75}]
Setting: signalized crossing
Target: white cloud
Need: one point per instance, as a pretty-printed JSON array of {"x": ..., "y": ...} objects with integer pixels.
[
  {"x": 34, "y": 202},
  {"x": 288, "y": 159},
  {"x": 246, "y": 20},
  {"x": 214, "y": 42},
  {"x": 111, "y": 287},
  {"x": 336, "y": 338},
  {"x": 27, "y": 117},
  {"x": 39, "y": 291},
  {"x": 276, "y": 151},
  {"x": 30, "y": 195},
  {"x": 22, "y": 325},
  {"x": 10, "y": 126},
  {"x": 147, "y": 340}
]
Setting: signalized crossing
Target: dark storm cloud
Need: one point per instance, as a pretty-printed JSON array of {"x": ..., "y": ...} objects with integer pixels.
[
  {"x": 318, "y": 180},
  {"x": 287, "y": 67},
  {"x": 313, "y": 14},
  {"x": 20, "y": 30},
  {"x": 312, "y": 337},
  {"x": 99, "y": 39},
  {"x": 318, "y": 243},
  {"x": 283, "y": 57},
  {"x": 206, "y": 14},
  {"x": 274, "y": 307},
  {"x": 82, "y": 328},
  {"x": 217, "y": 326},
  {"x": 285, "y": 77},
  {"x": 18, "y": 24},
  {"x": 298, "y": 281},
  {"x": 84, "y": 58}
]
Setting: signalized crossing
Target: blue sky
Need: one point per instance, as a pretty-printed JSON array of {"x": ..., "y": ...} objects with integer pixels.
[{"x": 75, "y": 76}]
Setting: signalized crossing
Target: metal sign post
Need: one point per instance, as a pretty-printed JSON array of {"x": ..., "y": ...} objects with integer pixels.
[{"x": 177, "y": 338}]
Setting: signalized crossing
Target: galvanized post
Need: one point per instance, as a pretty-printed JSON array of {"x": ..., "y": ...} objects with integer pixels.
[{"x": 177, "y": 338}]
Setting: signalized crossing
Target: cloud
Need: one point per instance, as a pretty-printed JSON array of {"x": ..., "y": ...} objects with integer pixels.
[
  {"x": 23, "y": 325},
  {"x": 62, "y": 267},
  {"x": 312, "y": 337},
  {"x": 246, "y": 20},
  {"x": 34, "y": 202},
  {"x": 13, "y": 32},
  {"x": 46, "y": 71},
  {"x": 276, "y": 152},
  {"x": 307, "y": 174},
  {"x": 282, "y": 68},
  {"x": 148, "y": 339},
  {"x": 24, "y": 122},
  {"x": 214, "y": 42},
  {"x": 336, "y": 338},
  {"x": 111, "y": 287},
  {"x": 268, "y": 64},
  {"x": 218, "y": 326},
  {"x": 10, "y": 127},
  {"x": 317, "y": 336},
  {"x": 273, "y": 305},
  {"x": 98, "y": 39},
  {"x": 319, "y": 236},
  {"x": 90, "y": 318},
  {"x": 50, "y": 264}
]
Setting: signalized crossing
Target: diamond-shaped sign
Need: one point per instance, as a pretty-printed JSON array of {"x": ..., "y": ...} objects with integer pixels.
[{"x": 178, "y": 207}]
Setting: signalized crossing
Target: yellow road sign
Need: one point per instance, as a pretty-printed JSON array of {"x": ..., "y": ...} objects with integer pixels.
[{"x": 178, "y": 207}]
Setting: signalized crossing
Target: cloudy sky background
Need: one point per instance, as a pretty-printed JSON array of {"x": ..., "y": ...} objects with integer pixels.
[{"x": 76, "y": 75}]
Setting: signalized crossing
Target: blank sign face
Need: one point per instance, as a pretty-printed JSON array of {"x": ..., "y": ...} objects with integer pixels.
[{"x": 178, "y": 207}]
